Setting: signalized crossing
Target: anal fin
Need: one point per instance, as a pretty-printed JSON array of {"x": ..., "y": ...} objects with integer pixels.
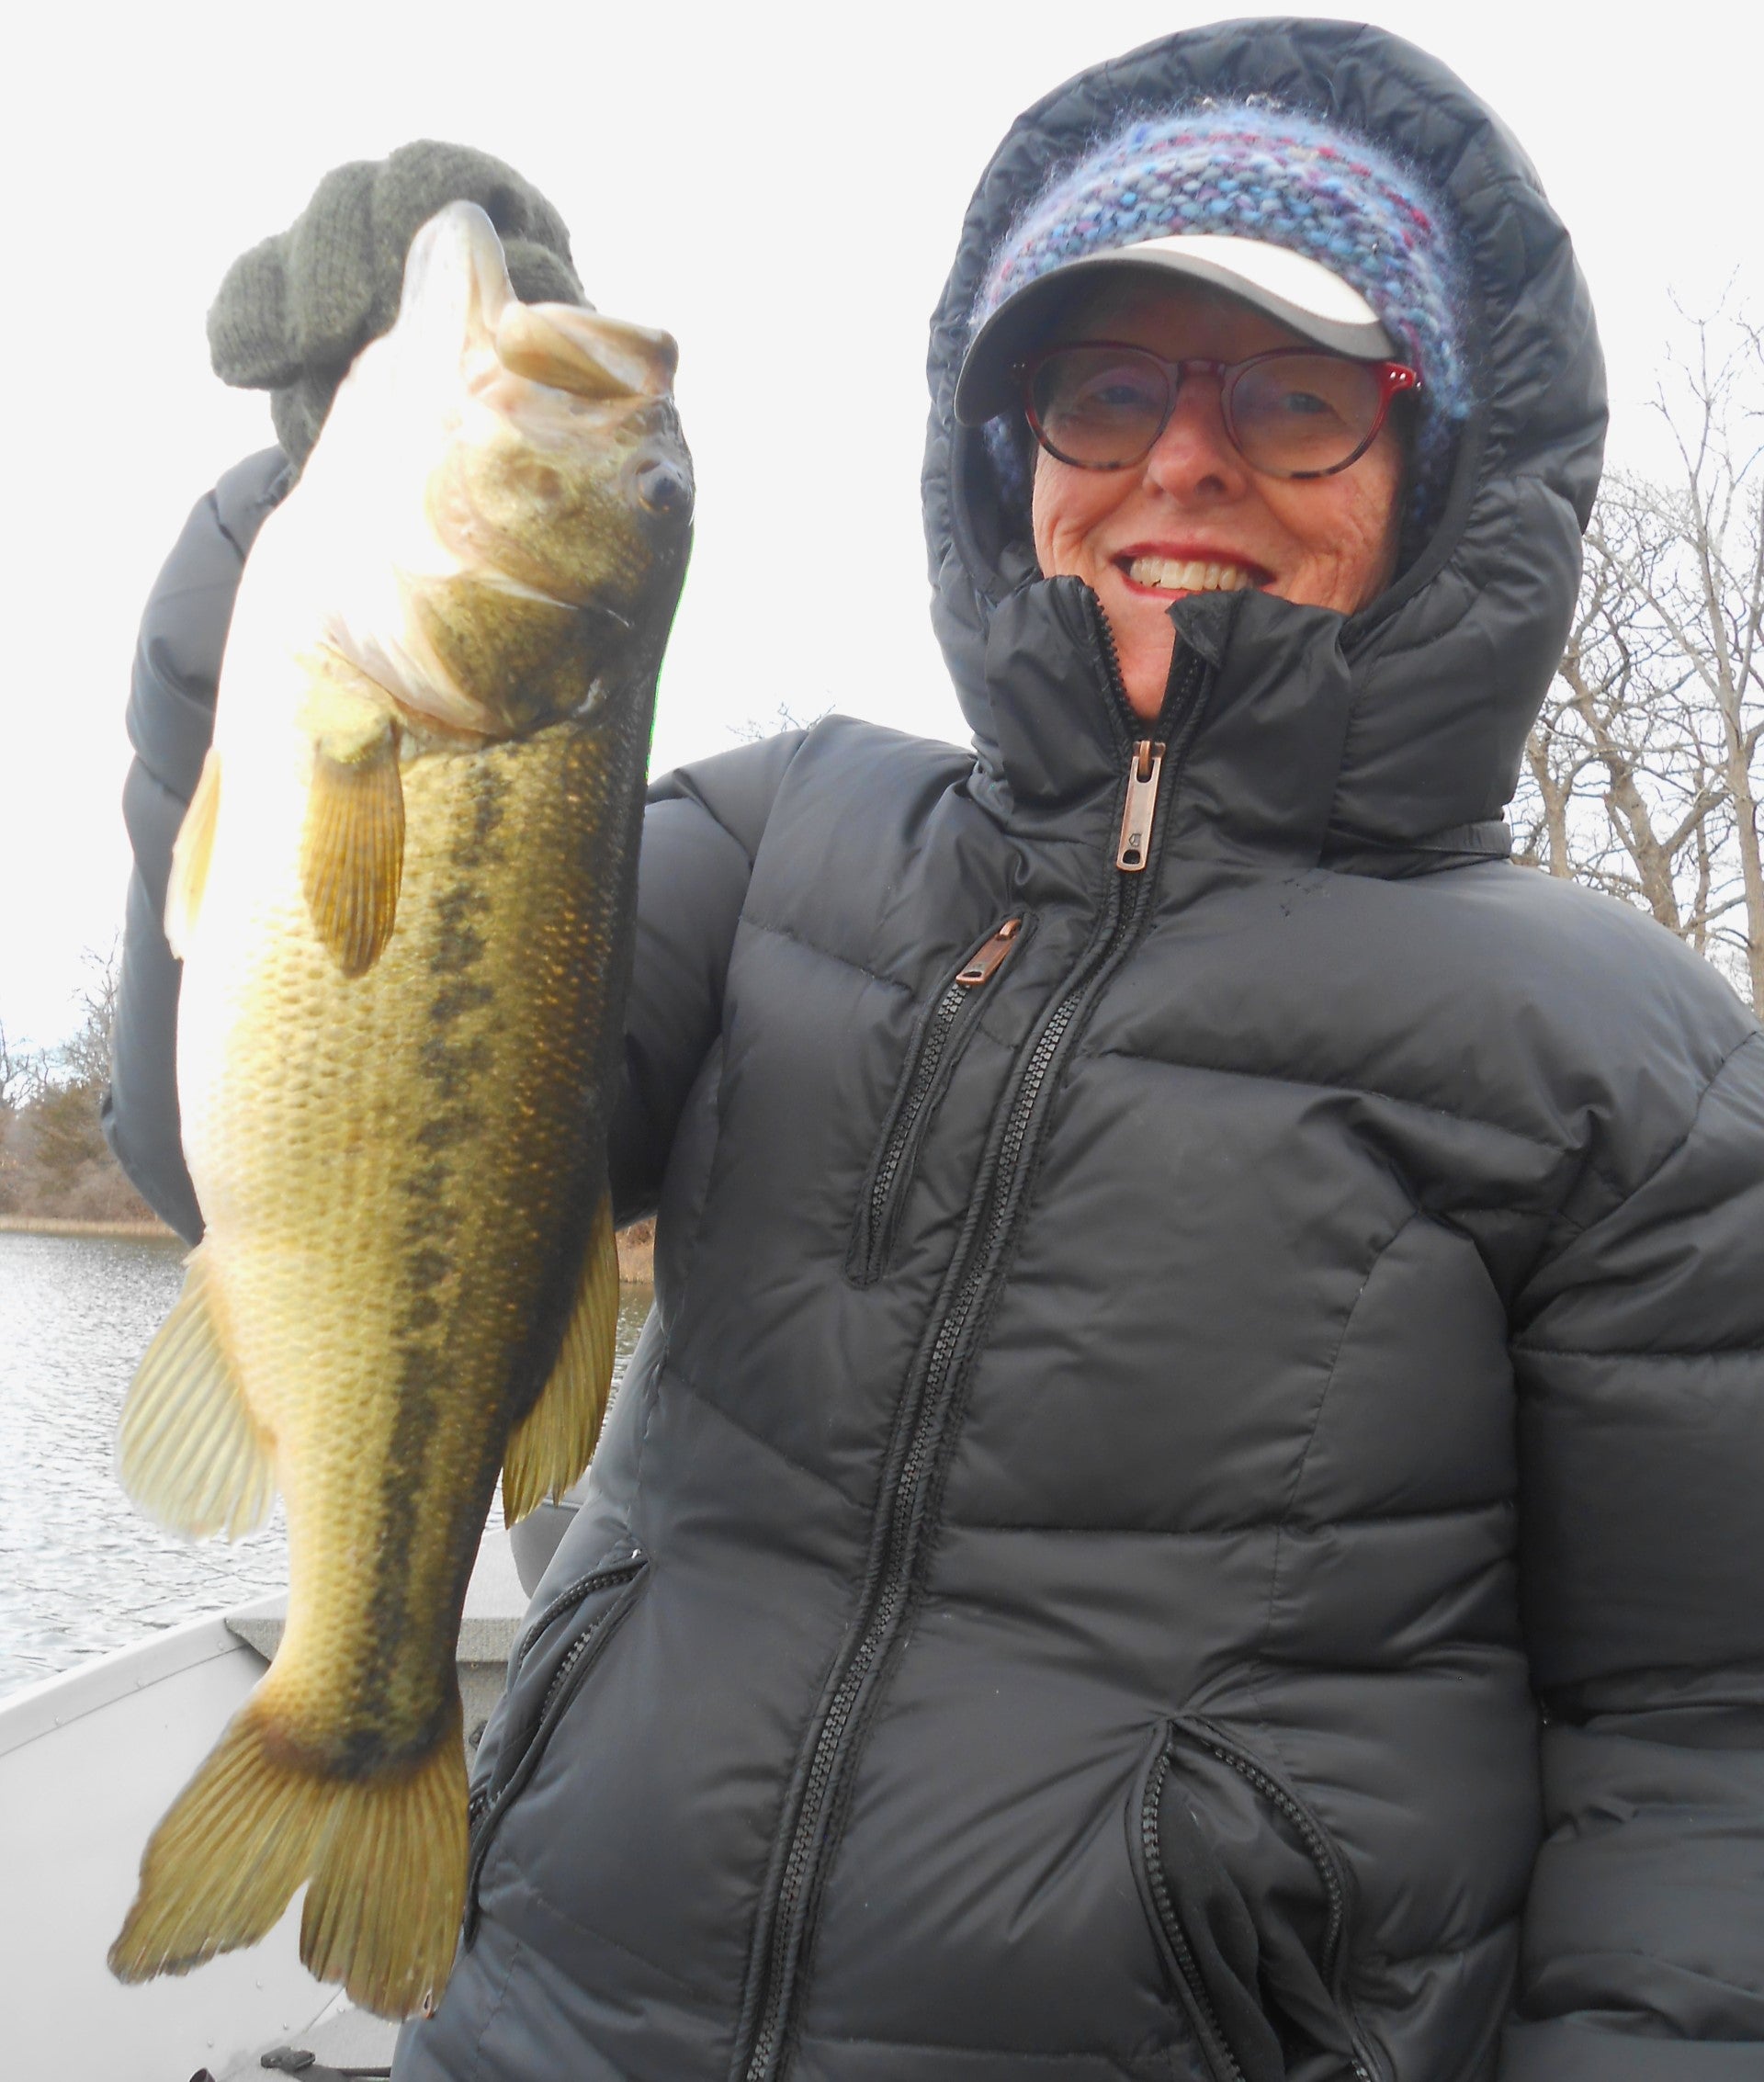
[
  {"x": 191, "y": 851},
  {"x": 553, "y": 1442},
  {"x": 188, "y": 1449}
]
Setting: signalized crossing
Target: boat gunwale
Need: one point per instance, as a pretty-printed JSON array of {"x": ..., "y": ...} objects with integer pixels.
[{"x": 56, "y": 1701}]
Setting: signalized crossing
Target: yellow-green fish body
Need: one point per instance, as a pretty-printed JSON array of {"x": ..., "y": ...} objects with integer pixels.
[{"x": 403, "y": 896}]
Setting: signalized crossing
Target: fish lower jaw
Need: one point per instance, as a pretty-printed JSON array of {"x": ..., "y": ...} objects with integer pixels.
[{"x": 1168, "y": 574}]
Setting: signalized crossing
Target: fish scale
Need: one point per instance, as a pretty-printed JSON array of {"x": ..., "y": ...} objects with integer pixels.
[
  {"x": 473, "y": 1235},
  {"x": 404, "y": 895}
]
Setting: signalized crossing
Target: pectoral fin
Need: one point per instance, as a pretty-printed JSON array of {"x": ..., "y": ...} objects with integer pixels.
[
  {"x": 189, "y": 1451},
  {"x": 352, "y": 853},
  {"x": 190, "y": 853},
  {"x": 553, "y": 1442},
  {"x": 352, "y": 848}
]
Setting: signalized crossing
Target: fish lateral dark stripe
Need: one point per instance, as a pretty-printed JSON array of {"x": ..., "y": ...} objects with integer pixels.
[
  {"x": 451, "y": 1066},
  {"x": 444, "y": 1131},
  {"x": 401, "y": 1163},
  {"x": 485, "y": 791},
  {"x": 449, "y": 1006}
]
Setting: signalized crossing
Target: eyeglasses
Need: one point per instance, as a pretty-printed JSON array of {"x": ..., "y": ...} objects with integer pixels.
[{"x": 1293, "y": 411}]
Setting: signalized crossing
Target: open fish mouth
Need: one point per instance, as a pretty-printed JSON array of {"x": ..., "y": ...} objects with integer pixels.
[
  {"x": 457, "y": 283},
  {"x": 556, "y": 494},
  {"x": 570, "y": 349}
]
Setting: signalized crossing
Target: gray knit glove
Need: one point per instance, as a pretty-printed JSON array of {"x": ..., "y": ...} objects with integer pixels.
[{"x": 294, "y": 312}]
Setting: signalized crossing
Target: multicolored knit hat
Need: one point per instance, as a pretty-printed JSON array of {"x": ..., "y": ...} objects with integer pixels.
[{"x": 1255, "y": 170}]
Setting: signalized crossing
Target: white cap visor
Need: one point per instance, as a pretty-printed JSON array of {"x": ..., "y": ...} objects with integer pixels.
[{"x": 1291, "y": 287}]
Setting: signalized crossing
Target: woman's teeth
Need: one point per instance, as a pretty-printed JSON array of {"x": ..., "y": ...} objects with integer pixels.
[{"x": 1167, "y": 574}]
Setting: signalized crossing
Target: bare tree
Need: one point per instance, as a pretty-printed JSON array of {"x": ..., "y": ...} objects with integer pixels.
[
  {"x": 20, "y": 1082},
  {"x": 19, "y": 1075},
  {"x": 84, "y": 1058},
  {"x": 752, "y": 729},
  {"x": 1708, "y": 592},
  {"x": 1642, "y": 773},
  {"x": 53, "y": 1159}
]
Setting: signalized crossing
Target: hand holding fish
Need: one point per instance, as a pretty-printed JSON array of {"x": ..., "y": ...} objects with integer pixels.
[{"x": 403, "y": 898}]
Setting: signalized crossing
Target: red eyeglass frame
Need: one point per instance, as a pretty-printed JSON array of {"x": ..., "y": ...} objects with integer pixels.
[{"x": 1395, "y": 379}]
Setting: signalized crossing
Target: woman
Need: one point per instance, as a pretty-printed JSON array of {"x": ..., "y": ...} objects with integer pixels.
[{"x": 1188, "y": 1505}]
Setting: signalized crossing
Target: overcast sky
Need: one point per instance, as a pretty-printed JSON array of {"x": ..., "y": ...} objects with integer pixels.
[{"x": 780, "y": 185}]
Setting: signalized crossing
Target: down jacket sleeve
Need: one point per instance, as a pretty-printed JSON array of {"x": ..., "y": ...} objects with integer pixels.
[
  {"x": 171, "y": 721},
  {"x": 700, "y": 832},
  {"x": 1641, "y": 1376}
]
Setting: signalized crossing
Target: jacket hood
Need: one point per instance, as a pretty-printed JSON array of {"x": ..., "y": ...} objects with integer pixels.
[{"x": 1429, "y": 692}]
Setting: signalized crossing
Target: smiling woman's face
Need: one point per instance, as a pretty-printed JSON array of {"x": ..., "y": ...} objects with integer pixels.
[{"x": 1194, "y": 515}]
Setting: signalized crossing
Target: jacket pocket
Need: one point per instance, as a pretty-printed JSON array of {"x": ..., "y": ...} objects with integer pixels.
[
  {"x": 1251, "y": 1905},
  {"x": 550, "y": 1665},
  {"x": 936, "y": 1045}
]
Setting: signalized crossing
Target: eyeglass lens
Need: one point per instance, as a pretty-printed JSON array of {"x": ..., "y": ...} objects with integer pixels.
[{"x": 1290, "y": 415}]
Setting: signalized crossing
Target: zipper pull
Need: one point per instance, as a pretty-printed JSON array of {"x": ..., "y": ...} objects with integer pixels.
[
  {"x": 987, "y": 960},
  {"x": 1142, "y": 806}
]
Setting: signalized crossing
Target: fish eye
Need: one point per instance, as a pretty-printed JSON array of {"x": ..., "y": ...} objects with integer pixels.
[{"x": 662, "y": 488}]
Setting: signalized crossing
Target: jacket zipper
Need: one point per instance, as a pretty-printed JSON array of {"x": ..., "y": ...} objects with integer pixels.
[
  {"x": 872, "y": 1241},
  {"x": 571, "y": 1594},
  {"x": 486, "y": 1805},
  {"x": 1322, "y": 1855},
  {"x": 1141, "y": 805},
  {"x": 784, "y": 1918},
  {"x": 1224, "y": 2063}
]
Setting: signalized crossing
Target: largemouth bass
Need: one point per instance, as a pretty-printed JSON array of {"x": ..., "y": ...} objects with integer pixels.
[{"x": 403, "y": 896}]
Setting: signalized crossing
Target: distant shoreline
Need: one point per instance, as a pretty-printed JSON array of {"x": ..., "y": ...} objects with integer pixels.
[
  {"x": 57, "y": 1225},
  {"x": 635, "y": 1244}
]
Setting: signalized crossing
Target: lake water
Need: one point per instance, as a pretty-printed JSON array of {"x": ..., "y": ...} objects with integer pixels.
[{"x": 82, "y": 1571}]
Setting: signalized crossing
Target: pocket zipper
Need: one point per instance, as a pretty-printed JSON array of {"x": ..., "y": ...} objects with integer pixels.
[
  {"x": 1224, "y": 2063},
  {"x": 891, "y": 1172},
  {"x": 486, "y": 1805},
  {"x": 571, "y": 1594},
  {"x": 1323, "y": 1857}
]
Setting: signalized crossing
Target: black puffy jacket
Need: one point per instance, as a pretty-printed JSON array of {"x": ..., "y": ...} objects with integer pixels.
[
  {"x": 1189, "y": 1507},
  {"x": 171, "y": 720}
]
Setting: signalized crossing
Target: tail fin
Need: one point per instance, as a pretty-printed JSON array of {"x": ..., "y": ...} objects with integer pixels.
[
  {"x": 386, "y": 1856},
  {"x": 382, "y": 1913}
]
